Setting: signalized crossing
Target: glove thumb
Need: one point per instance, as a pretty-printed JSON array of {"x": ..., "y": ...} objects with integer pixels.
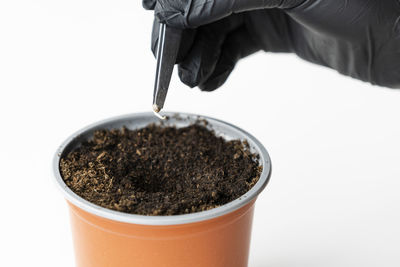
[{"x": 149, "y": 4}]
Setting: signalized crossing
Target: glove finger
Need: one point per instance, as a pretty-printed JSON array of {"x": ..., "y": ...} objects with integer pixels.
[
  {"x": 237, "y": 45},
  {"x": 202, "y": 58},
  {"x": 149, "y": 4},
  {"x": 188, "y": 36},
  {"x": 195, "y": 13}
]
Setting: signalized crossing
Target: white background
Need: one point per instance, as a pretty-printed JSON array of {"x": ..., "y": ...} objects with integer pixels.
[{"x": 334, "y": 196}]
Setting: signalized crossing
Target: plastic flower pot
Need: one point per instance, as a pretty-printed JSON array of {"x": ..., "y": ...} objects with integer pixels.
[{"x": 219, "y": 237}]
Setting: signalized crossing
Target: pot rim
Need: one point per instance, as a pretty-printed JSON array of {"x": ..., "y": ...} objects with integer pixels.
[{"x": 229, "y": 207}]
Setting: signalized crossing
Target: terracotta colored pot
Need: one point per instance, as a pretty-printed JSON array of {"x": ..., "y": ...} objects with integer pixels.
[{"x": 219, "y": 237}]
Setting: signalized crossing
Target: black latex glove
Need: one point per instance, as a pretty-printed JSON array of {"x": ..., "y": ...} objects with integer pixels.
[{"x": 359, "y": 38}]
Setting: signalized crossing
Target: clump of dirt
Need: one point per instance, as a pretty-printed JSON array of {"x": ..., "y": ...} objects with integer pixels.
[{"x": 160, "y": 170}]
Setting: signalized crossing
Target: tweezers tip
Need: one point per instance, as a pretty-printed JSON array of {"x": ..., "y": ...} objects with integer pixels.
[{"x": 156, "y": 110}]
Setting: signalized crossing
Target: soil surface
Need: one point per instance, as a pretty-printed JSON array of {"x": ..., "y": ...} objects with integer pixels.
[{"x": 160, "y": 170}]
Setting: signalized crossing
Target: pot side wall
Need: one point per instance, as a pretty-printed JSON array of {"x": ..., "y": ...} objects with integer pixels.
[{"x": 219, "y": 242}]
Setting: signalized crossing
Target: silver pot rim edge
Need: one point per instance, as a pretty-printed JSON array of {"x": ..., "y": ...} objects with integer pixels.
[{"x": 173, "y": 219}]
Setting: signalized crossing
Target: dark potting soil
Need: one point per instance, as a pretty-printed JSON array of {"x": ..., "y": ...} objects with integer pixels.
[{"x": 160, "y": 170}]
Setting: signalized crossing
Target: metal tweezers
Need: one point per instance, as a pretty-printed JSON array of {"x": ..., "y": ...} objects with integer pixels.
[{"x": 167, "y": 50}]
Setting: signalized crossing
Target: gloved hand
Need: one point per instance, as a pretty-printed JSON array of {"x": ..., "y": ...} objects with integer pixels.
[{"x": 359, "y": 38}]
